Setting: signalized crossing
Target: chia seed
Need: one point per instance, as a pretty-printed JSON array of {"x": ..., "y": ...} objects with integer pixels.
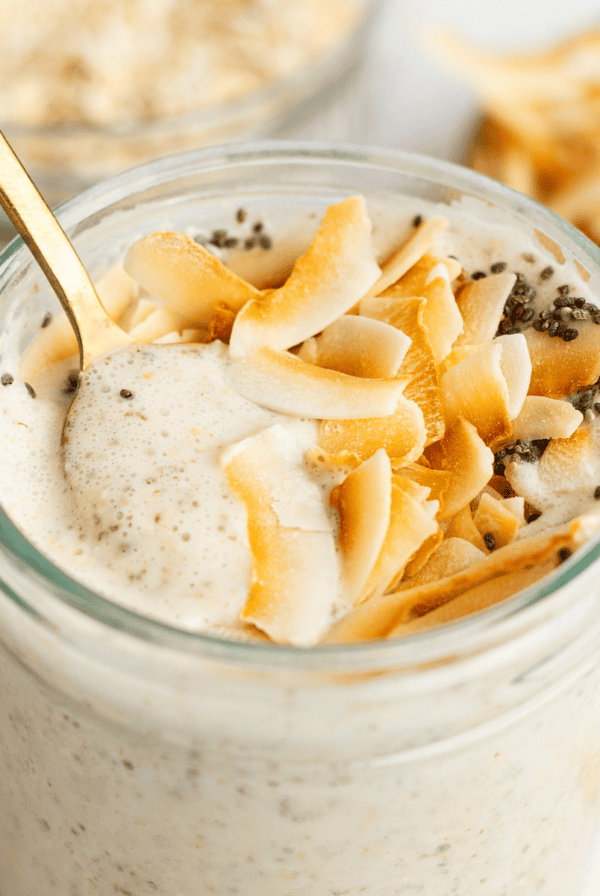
[
  {"x": 30, "y": 389},
  {"x": 250, "y": 243},
  {"x": 72, "y": 384},
  {"x": 498, "y": 267},
  {"x": 569, "y": 335},
  {"x": 563, "y": 290},
  {"x": 490, "y": 541},
  {"x": 241, "y": 215},
  {"x": 546, "y": 273},
  {"x": 564, "y": 554},
  {"x": 478, "y": 275},
  {"x": 218, "y": 238},
  {"x": 6, "y": 379},
  {"x": 257, "y": 226},
  {"x": 265, "y": 242},
  {"x": 126, "y": 393},
  {"x": 417, "y": 220},
  {"x": 47, "y": 319},
  {"x": 231, "y": 242},
  {"x": 597, "y": 493}
]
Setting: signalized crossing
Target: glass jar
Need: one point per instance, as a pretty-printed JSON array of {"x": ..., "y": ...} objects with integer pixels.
[{"x": 136, "y": 758}]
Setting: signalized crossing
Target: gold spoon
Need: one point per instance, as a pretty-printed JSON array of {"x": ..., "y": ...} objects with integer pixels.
[{"x": 96, "y": 333}]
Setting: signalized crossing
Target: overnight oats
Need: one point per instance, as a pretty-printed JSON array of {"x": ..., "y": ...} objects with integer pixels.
[{"x": 299, "y": 584}]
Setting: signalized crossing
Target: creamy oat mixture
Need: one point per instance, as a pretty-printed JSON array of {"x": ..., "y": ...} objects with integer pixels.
[
  {"x": 403, "y": 465},
  {"x": 98, "y": 63}
]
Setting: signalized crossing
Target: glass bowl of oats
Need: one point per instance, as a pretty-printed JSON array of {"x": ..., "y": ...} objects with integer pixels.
[{"x": 91, "y": 89}]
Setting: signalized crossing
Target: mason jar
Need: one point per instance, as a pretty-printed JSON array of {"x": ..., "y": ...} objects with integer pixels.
[{"x": 138, "y": 758}]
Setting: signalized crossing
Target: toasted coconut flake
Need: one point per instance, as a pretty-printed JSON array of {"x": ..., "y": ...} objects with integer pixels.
[
  {"x": 402, "y": 435},
  {"x": 462, "y": 526},
  {"x": 515, "y": 364},
  {"x": 295, "y": 576},
  {"x": 546, "y": 418},
  {"x": 338, "y": 269},
  {"x": 437, "y": 481},
  {"x": 441, "y": 317},
  {"x": 427, "y": 268},
  {"x": 568, "y": 464},
  {"x": 561, "y": 368},
  {"x": 463, "y": 453},
  {"x": 481, "y": 304},
  {"x": 160, "y": 322},
  {"x": 408, "y": 254},
  {"x": 451, "y": 556},
  {"x": 411, "y": 523},
  {"x": 187, "y": 278},
  {"x": 221, "y": 324},
  {"x": 282, "y": 382},
  {"x": 381, "y": 615},
  {"x": 363, "y": 502},
  {"x": 516, "y": 506},
  {"x": 478, "y": 598},
  {"x": 493, "y": 518},
  {"x": 459, "y": 353},
  {"x": 56, "y": 342},
  {"x": 359, "y": 346},
  {"x": 476, "y": 389},
  {"x": 419, "y": 364}
]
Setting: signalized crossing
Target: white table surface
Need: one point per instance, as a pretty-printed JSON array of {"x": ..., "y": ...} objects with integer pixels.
[{"x": 405, "y": 100}]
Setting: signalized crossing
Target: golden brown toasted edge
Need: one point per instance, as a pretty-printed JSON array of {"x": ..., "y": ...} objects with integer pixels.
[
  {"x": 283, "y": 382},
  {"x": 326, "y": 282},
  {"x": 188, "y": 279},
  {"x": 381, "y": 615}
]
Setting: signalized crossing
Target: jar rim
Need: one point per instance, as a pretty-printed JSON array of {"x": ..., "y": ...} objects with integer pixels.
[{"x": 423, "y": 646}]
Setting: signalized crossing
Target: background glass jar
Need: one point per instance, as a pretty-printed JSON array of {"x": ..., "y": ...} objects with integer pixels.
[{"x": 137, "y": 758}]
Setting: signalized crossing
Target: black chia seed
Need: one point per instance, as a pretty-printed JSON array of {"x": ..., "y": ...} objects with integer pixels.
[
  {"x": 417, "y": 220},
  {"x": 257, "y": 226},
  {"x": 218, "y": 238},
  {"x": 498, "y": 267},
  {"x": 47, "y": 319},
  {"x": 533, "y": 516},
  {"x": 563, "y": 290},
  {"x": 265, "y": 242},
  {"x": 519, "y": 452},
  {"x": 478, "y": 275},
  {"x": 597, "y": 493},
  {"x": 528, "y": 257},
  {"x": 546, "y": 273},
  {"x": 72, "y": 384},
  {"x": 490, "y": 541},
  {"x": 126, "y": 393},
  {"x": 564, "y": 554},
  {"x": 30, "y": 389},
  {"x": 230, "y": 243},
  {"x": 241, "y": 215},
  {"x": 6, "y": 379},
  {"x": 250, "y": 243}
]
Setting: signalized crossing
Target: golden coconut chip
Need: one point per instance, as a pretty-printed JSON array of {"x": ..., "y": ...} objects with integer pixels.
[
  {"x": 408, "y": 254},
  {"x": 463, "y": 453},
  {"x": 567, "y": 464},
  {"x": 138, "y": 312},
  {"x": 546, "y": 418},
  {"x": 158, "y": 323},
  {"x": 481, "y": 304},
  {"x": 478, "y": 598},
  {"x": 295, "y": 575},
  {"x": 423, "y": 271},
  {"x": 358, "y": 346},
  {"x": 402, "y": 435},
  {"x": 561, "y": 368},
  {"x": 437, "y": 481},
  {"x": 411, "y": 523},
  {"x": 57, "y": 341},
  {"x": 515, "y": 364},
  {"x": 363, "y": 501},
  {"x": 282, "y": 382},
  {"x": 476, "y": 389},
  {"x": 336, "y": 271},
  {"x": 462, "y": 526},
  {"x": 451, "y": 556},
  {"x": 441, "y": 317},
  {"x": 187, "y": 278},
  {"x": 377, "y": 617},
  {"x": 493, "y": 518},
  {"x": 221, "y": 324},
  {"x": 459, "y": 353},
  {"x": 419, "y": 364}
]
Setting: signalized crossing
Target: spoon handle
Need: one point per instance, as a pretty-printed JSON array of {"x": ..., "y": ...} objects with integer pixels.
[{"x": 95, "y": 331}]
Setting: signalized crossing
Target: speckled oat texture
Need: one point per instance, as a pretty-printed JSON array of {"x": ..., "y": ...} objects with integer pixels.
[{"x": 99, "y": 62}]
